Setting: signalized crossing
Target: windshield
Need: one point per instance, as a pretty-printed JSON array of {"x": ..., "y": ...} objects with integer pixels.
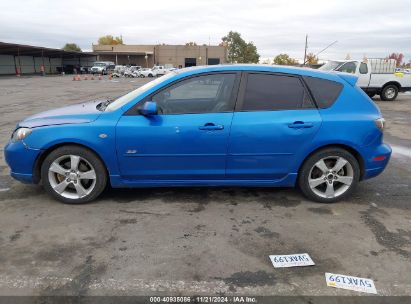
[
  {"x": 330, "y": 65},
  {"x": 99, "y": 64},
  {"x": 121, "y": 101}
]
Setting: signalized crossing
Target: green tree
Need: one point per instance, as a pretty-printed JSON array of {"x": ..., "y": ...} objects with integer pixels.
[
  {"x": 240, "y": 51},
  {"x": 311, "y": 59},
  {"x": 191, "y": 43},
  {"x": 110, "y": 40},
  {"x": 71, "y": 47},
  {"x": 284, "y": 59}
]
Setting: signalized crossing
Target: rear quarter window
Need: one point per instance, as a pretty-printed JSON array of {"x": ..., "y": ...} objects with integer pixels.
[{"x": 325, "y": 92}]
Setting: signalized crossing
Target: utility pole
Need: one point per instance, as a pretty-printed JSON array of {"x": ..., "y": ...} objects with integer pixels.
[{"x": 305, "y": 50}]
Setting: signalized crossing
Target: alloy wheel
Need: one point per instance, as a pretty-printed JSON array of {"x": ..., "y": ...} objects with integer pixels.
[
  {"x": 331, "y": 177},
  {"x": 72, "y": 176}
]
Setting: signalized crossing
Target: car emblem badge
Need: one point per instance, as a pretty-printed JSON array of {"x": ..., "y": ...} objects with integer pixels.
[{"x": 102, "y": 135}]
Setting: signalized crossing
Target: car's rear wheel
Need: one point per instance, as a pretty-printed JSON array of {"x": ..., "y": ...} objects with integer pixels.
[
  {"x": 73, "y": 175},
  {"x": 389, "y": 92},
  {"x": 329, "y": 175}
]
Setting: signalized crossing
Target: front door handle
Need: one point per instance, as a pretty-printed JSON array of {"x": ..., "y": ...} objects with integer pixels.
[
  {"x": 211, "y": 127},
  {"x": 300, "y": 125}
]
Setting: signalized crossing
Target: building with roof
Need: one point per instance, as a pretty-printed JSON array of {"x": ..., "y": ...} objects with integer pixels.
[
  {"x": 27, "y": 59},
  {"x": 179, "y": 56}
]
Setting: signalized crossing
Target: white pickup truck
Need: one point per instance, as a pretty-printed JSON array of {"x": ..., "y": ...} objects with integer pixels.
[
  {"x": 375, "y": 76},
  {"x": 157, "y": 70}
]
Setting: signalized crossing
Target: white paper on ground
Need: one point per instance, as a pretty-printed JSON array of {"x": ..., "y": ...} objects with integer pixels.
[
  {"x": 349, "y": 282},
  {"x": 291, "y": 260}
]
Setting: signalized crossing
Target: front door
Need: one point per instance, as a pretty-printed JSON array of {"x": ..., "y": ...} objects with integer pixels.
[
  {"x": 275, "y": 119},
  {"x": 187, "y": 139}
]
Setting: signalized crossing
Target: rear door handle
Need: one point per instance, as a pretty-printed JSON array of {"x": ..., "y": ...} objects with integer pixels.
[
  {"x": 211, "y": 127},
  {"x": 300, "y": 125}
]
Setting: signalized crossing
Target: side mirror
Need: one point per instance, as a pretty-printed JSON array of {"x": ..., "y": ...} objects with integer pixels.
[{"x": 148, "y": 108}]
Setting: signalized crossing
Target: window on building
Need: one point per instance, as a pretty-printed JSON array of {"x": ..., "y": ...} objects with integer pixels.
[
  {"x": 189, "y": 62},
  {"x": 213, "y": 61}
]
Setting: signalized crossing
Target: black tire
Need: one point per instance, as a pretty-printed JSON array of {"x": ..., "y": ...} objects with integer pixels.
[
  {"x": 385, "y": 93},
  {"x": 309, "y": 163},
  {"x": 150, "y": 75},
  {"x": 90, "y": 157}
]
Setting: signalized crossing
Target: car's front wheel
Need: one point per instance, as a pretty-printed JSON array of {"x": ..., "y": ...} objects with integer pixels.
[
  {"x": 73, "y": 175},
  {"x": 329, "y": 175}
]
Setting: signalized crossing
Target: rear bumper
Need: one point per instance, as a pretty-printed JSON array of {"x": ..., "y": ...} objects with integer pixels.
[
  {"x": 21, "y": 160},
  {"x": 375, "y": 167}
]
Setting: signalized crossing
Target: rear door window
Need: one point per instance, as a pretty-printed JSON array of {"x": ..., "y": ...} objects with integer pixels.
[
  {"x": 325, "y": 92},
  {"x": 271, "y": 92}
]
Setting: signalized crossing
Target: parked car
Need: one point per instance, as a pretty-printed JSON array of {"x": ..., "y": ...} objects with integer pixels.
[
  {"x": 146, "y": 72},
  {"x": 84, "y": 70},
  {"x": 232, "y": 125},
  {"x": 375, "y": 76},
  {"x": 132, "y": 71},
  {"x": 155, "y": 71},
  {"x": 102, "y": 67},
  {"x": 159, "y": 70}
]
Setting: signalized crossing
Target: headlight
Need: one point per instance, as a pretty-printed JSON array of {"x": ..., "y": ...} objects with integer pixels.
[{"x": 20, "y": 134}]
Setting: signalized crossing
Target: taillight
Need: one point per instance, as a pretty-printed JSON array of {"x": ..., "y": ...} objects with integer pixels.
[{"x": 380, "y": 123}]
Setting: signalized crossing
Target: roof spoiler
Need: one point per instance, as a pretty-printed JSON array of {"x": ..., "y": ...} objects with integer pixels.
[{"x": 351, "y": 79}]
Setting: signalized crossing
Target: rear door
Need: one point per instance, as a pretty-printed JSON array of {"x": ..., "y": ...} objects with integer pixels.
[{"x": 274, "y": 119}]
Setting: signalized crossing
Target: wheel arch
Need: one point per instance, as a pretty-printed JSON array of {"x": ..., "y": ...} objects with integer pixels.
[
  {"x": 393, "y": 82},
  {"x": 348, "y": 148},
  {"x": 40, "y": 159}
]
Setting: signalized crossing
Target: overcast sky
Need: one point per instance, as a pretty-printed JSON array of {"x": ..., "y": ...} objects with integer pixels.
[{"x": 362, "y": 27}]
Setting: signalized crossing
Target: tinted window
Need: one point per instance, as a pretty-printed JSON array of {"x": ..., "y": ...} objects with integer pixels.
[
  {"x": 325, "y": 92},
  {"x": 265, "y": 92},
  {"x": 348, "y": 67},
  {"x": 201, "y": 94},
  {"x": 363, "y": 68}
]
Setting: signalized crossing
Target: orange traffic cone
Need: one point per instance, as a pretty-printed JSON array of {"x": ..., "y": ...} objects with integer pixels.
[
  {"x": 99, "y": 77},
  {"x": 85, "y": 77},
  {"x": 78, "y": 78},
  {"x": 110, "y": 77},
  {"x": 91, "y": 77},
  {"x": 74, "y": 78}
]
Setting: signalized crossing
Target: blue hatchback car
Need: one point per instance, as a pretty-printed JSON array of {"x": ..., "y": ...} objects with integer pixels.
[{"x": 232, "y": 125}]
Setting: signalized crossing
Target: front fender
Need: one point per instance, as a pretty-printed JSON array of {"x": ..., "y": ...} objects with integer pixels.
[{"x": 95, "y": 136}]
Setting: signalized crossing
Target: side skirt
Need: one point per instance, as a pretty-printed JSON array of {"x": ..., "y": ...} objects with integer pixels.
[{"x": 118, "y": 182}]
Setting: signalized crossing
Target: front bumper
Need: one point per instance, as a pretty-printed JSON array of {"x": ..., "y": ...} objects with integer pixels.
[
  {"x": 21, "y": 160},
  {"x": 375, "y": 167}
]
